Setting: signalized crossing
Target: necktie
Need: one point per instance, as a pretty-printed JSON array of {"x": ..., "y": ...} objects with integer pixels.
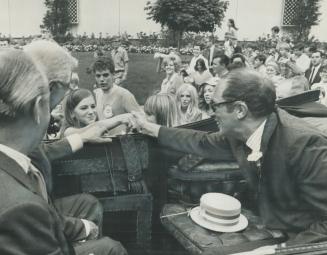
[
  {"x": 38, "y": 181},
  {"x": 312, "y": 75}
]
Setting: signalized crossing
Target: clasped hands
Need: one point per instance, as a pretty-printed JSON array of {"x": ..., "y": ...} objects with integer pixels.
[{"x": 135, "y": 121}]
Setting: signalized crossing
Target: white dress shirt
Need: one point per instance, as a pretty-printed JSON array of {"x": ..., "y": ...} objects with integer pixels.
[{"x": 254, "y": 141}]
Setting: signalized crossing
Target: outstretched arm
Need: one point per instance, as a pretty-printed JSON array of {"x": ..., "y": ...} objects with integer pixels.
[
  {"x": 93, "y": 133},
  {"x": 210, "y": 146}
]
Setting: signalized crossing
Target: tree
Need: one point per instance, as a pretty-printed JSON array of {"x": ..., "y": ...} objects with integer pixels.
[
  {"x": 56, "y": 19},
  {"x": 187, "y": 15},
  {"x": 307, "y": 15}
]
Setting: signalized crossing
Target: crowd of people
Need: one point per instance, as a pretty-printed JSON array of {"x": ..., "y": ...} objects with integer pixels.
[
  {"x": 239, "y": 88},
  {"x": 292, "y": 69}
]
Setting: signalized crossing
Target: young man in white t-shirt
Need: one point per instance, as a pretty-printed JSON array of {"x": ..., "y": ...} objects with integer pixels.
[{"x": 111, "y": 99}]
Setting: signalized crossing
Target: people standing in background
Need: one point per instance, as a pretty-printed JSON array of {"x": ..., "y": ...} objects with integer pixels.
[
  {"x": 197, "y": 54},
  {"x": 187, "y": 104},
  {"x": 120, "y": 58},
  {"x": 322, "y": 85},
  {"x": 302, "y": 60},
  {"x": 219, "y": 65},
  {"x": 283, "y": 52},
  {"x": 239, "y": 58},
  {"x": 111, "y": 99},
  {"x": 275, "y": 36},
  {"x": 259, "y": 64},
  {"x": 173, "y": 79},
  {"x": 272, "y": 71},
  {"x": 294, "y": 82},
  {"x": 232, "y": 29},
  {"x": 206, "y": 92},
  {"x": 229, "y": 44},
  {"x": 210, "y": 51},
  {"x": 313, "y": 73},
  {"x": 201, "y": 73}
]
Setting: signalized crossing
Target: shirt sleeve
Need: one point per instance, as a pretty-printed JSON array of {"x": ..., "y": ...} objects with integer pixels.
[
  {"x": 75, "y": 142},
  {"x": 87, "y": 227}
]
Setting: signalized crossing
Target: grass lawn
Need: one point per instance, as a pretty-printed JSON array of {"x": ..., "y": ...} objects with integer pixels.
[{"x": 142, "y": 79}]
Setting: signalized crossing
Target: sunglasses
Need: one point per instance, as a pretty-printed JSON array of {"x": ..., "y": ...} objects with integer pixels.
[{"x": 105, "y": 75}]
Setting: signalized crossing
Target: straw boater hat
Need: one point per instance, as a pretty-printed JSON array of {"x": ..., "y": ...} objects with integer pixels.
[{"x": 219, "y": 212}]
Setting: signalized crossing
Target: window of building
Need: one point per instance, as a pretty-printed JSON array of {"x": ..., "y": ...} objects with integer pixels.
[
  {"x": 73, "y": 11},
  {"x": 289, "y": 12}
]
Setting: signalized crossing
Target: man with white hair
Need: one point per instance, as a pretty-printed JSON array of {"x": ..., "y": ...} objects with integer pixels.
[
  {"x": 29, "y": 225},
  {"x": 58, "y": 66}
]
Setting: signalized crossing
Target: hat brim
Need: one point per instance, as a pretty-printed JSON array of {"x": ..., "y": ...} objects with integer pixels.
[{"x": 198, "y": 219}]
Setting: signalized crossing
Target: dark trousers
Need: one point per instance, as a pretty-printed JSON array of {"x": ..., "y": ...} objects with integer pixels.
[
  {"x": 85, "y": 206},
  {"x": 102, "y": 246},
  {"x": 81, "y": 206}
]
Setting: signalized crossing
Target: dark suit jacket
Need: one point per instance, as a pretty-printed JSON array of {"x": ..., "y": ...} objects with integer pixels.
[
  {"x": 290, "y": 186},
  {"x": 41, "y": 158},
  {"x": 316, "y": 79},
  {"x": 28, "y": 225}
]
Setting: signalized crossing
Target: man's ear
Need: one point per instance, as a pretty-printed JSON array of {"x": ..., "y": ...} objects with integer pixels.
[
  {"x": 38, "y": 104},
  {"x": 241, "y": 110}
]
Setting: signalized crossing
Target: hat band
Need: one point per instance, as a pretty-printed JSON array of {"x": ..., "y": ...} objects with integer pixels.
[
  {"x": 221, "y": 220},
  {"x": 232, "y": 217}
]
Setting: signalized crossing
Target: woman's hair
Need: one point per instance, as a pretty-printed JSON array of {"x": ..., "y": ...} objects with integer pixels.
[
  {"x": 73, "y": 99},
  {"x": 175, "y": 59},
  {"x": 163, "y": 108},
  {"x": 193, "y": 109},
  {"x": 202, "y": 103},
  {"x": 202, "y": 64},
  {"x": 238, "y": 55},
  {"x": 232, "y": 22}
]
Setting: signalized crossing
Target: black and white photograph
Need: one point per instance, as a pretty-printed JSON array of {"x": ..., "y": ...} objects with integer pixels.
[{"x": 163, "y": 127}]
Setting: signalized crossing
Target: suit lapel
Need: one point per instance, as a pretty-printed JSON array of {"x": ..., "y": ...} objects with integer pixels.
[
  {"x": 11, "y": 167},
  {"x": 269, "y": 129}
]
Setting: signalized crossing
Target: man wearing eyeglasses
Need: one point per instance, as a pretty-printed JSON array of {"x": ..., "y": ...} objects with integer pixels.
[
  {"x": 111, "y": 99},
  {"x": 283, "y": 158}
]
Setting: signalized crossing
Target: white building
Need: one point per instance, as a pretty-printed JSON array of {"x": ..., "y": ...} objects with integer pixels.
[{"x": 253, "y": 17}]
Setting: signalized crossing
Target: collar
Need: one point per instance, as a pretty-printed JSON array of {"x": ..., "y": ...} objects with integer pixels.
[
  {"x": 316, "y": 67},
  {"x": 254, "y": 141},
  {"x": 22, "y": 160}
]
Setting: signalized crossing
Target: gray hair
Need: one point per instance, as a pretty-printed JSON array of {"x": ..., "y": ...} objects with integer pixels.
[
  {"x": 56, "y": 61},
  {"x": 21, "y": 82}
]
